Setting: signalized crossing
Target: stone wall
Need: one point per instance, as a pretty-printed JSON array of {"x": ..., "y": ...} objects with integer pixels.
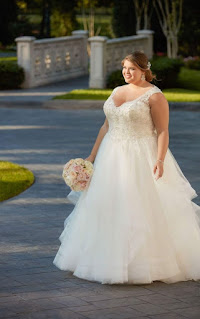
[{"x": 52, "y": 60}]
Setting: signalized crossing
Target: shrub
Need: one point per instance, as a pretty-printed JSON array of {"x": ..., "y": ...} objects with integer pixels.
[
  {"x": 115, "y": 79},
  {"x": 193, "y": 63},
  {"x": 11, "y": 75},
  {"x": 166, "y": 71}
]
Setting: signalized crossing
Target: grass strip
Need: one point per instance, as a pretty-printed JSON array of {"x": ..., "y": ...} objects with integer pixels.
[
  {"x": 172, "y": 95},
  {"x": 14, "y": 179}
]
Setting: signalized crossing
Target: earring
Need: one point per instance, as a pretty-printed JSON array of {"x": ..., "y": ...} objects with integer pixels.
[{"x": 143, "y": 77}]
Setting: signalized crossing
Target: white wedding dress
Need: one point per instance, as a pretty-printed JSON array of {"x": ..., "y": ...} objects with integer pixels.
[{"x": 128, "y": 227}]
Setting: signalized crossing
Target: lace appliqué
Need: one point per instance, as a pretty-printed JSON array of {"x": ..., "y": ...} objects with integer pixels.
[{"x": 132, "y": 120}]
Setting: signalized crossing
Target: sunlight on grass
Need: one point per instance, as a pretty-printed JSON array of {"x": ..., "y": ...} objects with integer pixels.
[
  {"x": 14, "y": 179},
  {"x": 8, "y": 59},
  {"x": 172, "y": 95},
  {"x": 88, "y": 94},
  {"x": 181, "y": 95}
]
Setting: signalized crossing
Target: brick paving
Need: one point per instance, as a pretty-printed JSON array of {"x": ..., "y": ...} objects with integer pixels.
[{"x": 30, "y": 224}]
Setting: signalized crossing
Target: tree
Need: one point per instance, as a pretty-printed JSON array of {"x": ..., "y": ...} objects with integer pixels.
[
  {"x": 63, "y": 17},
  {"x": 58, "y": 16},
  {"x": 88, "y": 21},
  {"x": 169, "y": 14},
  {"x": 189, "y": 34},
  {"x": 8, "y": 19},
  {"x": 45, "y": 28},
  {"x": 123, "y": 18},
  {"x": 143, "y": 12}
]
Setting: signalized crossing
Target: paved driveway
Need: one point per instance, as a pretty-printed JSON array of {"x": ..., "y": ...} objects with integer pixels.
[{"x": 30, "y": 224}]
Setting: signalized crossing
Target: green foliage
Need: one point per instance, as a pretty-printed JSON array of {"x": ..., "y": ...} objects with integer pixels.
[
  {"x": 193, "y": 64},
  {"x": 23, "y": 27},
  {"x": 14, "y": 179},
  {"x": 123, "y": 18},
  {"x": 63, "y": 17},
  {"x": 115, "y": 79},
  {"x": 166, "y": 71},
  {"x": 189, "y": 34},
  {"x": 11, "y": 75},
  {"x": 62, "y": 24},
  {"x": 189, "y": 79},
  {"x": 8, "y": 18}
]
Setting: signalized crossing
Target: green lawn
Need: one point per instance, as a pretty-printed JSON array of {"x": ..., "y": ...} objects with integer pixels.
[
  {"x": 14, "y": 179},
  {"x": 9, "y": 58},
  {"x": 172, "y": 95},
  {"x": 181, "y": 95},
  {"x": 88, "y": 94}
]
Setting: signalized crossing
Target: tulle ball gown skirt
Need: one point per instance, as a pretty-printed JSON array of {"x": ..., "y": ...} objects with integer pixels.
[{"x": 129, "y": 228}]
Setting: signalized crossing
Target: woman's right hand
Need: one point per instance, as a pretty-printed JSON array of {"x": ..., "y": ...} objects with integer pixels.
[{"x": 90, "y": 158}]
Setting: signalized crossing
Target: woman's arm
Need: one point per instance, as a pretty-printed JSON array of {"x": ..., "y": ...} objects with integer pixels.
[
  {"x": 160, "y": 115},
  {"x": 103, "y": 130}
]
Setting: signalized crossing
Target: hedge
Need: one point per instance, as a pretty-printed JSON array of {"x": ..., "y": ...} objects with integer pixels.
[
  {"x": 166, "y": 71},
  {"x": 11, "y": 75}
]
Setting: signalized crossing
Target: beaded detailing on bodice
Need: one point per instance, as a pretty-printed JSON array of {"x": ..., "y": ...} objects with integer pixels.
[{"x": 131, "y": 120}]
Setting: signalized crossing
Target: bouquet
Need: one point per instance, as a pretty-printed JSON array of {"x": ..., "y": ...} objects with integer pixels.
[{"x": 77, "y": 174}]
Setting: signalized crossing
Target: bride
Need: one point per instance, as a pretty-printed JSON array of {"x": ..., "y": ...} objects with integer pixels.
[{"x": 136, "y": 223}]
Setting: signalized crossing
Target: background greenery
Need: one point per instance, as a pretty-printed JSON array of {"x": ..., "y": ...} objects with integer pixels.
[
  {"x": 114, "y": 18},
  {"x": 11, "y": 74}
]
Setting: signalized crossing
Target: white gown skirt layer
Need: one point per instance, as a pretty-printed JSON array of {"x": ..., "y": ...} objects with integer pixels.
[{"x": 128, "y": 227}]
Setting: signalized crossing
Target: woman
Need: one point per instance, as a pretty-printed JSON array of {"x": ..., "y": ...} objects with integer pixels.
[{"x": 130, "y": 225}]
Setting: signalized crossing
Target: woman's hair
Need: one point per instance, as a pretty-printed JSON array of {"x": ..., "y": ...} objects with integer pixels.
[{"x": 141, "y": 61}]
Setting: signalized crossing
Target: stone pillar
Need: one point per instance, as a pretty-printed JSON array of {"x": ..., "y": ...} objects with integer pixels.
[
  {"x": 149, "y": 34},
  {"x": 85, "y": 58},
  {"x": 97, "y": 62},
  {"x": 25, "y": 58}
]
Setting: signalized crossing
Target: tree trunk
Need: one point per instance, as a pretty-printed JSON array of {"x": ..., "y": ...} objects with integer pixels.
[
  {"x": 146, "y": 15},
  {"x": 169, "y": 49},
  {"x": 84, "y": 18},
  {"x": 138, "y": 23},
  {"x": 45, "y": 28},
  {"x": 170, "y": 21},
  {"x": 174, "y": 47}
]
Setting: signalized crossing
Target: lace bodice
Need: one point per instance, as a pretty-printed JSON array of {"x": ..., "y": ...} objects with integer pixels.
[{"x": 131, "y": 120}]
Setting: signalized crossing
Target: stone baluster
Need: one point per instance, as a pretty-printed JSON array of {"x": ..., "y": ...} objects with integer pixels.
[
  {"x": 97, "y": 62},
  {"x": 25, "y": 58}
]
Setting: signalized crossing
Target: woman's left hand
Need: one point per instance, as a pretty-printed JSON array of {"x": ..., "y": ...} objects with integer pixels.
[{"x": 158, "y": 170}]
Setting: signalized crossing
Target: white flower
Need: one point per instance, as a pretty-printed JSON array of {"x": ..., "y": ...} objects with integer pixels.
[{"x": 148, "y": 65}]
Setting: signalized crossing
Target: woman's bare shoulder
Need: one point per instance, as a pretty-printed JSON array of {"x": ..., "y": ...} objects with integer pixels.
[{"x": 121, "y": 89}]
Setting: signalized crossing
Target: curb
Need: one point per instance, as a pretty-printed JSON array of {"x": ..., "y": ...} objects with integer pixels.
[
  {"x": 73, "y": 104},
  {"x": 87, "y": 104}
]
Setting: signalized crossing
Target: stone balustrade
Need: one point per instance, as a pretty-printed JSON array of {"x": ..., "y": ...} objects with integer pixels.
[
  {"x": 106, "y": 55},
  {"x": 52, "y": 60}
]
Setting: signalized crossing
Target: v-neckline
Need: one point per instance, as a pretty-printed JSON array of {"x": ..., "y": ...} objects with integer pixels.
[{"x": 134, "y": 99}]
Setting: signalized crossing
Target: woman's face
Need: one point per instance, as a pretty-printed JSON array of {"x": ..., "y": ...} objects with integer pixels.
[{"x": 131, "y": 73}]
